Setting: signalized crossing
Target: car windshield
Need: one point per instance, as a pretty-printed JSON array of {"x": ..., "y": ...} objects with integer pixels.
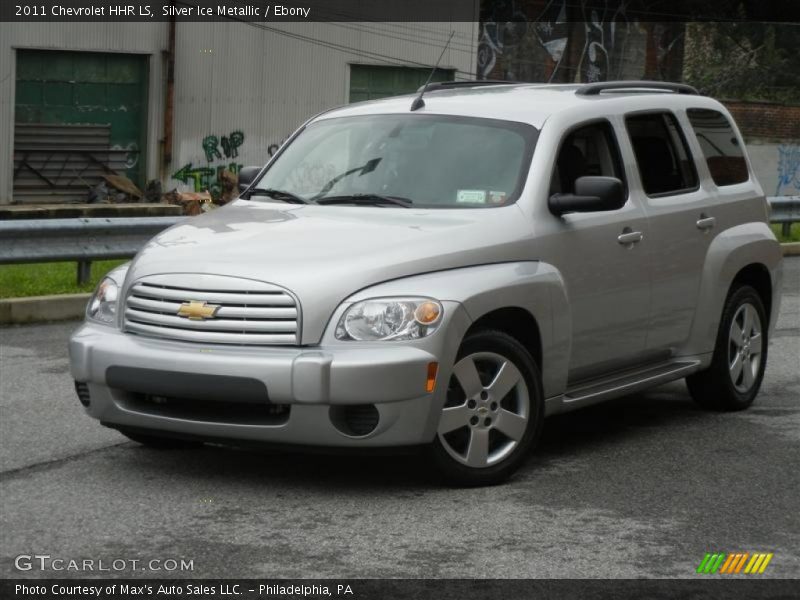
[{"x": 431, "y": 161}]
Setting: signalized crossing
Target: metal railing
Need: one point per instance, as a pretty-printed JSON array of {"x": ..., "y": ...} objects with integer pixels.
[
  {"x": 784, "y": 210},
  {"x": 82, "y": 240},
  {"x": 86, "y": 239}
]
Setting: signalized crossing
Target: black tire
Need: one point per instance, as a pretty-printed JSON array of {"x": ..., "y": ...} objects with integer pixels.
[
  {"x": 714, "y": 388},
  {"x": 159, "y": 442},
  {"x": 492, "y": 342}
]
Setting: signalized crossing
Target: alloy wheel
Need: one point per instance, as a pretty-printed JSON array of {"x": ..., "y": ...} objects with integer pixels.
[
  {"x": 744, "y": 348},
  {"x": 487, "y": 410}
]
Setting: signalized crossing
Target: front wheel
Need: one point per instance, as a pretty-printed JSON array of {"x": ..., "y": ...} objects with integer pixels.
[
  {"x": 732, "y": 380},
  {"x": 493, "y": 413}
]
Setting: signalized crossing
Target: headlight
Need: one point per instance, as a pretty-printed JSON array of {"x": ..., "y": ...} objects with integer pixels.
[
  {"x": 103, "y": 305},
  {"x": 390, "y": 319}
]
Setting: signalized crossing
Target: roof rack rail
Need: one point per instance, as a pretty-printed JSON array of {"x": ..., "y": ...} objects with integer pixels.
[
  {"x": 443, "y": 85},
  {"x": 594, "y": 89}
]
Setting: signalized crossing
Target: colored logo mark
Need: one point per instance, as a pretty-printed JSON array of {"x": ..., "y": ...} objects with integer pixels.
[{"x": 734, "y": 563}]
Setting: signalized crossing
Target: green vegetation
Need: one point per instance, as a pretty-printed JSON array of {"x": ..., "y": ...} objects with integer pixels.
[
  {"x": 794, "y": 233},
  {"x": 49, "y": 278},
  {"x": 746, "y": 60}
]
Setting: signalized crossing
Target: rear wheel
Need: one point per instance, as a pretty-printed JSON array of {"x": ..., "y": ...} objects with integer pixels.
[
  {"x": 493, "y": 413},
  {"x": 734, "y": 377}
]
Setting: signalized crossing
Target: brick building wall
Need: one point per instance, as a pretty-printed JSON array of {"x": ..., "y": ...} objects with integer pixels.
[{"x": 766, "y": 120}]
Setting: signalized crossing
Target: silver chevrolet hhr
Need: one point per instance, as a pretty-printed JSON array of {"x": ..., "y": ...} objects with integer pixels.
[{"x": 446, "y": 271}]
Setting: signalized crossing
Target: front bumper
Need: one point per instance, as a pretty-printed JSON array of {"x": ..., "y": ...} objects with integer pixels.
[{"x": 313, "y": 382}]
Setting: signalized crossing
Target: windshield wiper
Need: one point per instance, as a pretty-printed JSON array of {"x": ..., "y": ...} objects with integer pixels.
[
  {"x": 279, "y": 195},
  {"x": 367, "y": 167},
  {"x": 366, "y": 199}
]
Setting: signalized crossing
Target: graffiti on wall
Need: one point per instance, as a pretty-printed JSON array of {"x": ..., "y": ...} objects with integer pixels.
[
  {"x": 229, "y": 144},
  {"x": 273, "y": 148},
  {"x": 209, "y": 176},
  {"x": 205, "y": 178},
  {"x": 502, "y": 30},
  {"x": 600, "y": 57},
  {"x": 572, "y": 41},
  {"x": 220, "y": 154},
  {"x": 788, "y": 170}
]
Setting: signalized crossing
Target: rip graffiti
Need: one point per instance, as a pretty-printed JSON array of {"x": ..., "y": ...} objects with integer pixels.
[
  {"x": 230, "y": 145},
  {"x": 209, "y": 177}
]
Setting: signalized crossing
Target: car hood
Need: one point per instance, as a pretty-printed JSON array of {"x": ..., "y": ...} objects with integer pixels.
[{"x": 323, "y": 254}]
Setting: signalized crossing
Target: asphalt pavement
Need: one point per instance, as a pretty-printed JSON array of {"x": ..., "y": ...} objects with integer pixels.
[{"x": 642, "y": 486}]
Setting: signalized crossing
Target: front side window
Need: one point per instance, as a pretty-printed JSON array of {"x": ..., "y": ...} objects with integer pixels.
[
  {"x": 432, "y": 161},
  {"x": 588, "y": 150},
  {"x": 720, "y": 146},
  {"x": 663, "y": 158}
]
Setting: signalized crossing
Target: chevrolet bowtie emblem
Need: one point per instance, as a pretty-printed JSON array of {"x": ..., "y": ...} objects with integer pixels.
[{"x": 198, "y": 311}]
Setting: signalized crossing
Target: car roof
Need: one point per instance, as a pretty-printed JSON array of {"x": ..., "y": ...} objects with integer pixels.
[{"x": 530, "y": 103}]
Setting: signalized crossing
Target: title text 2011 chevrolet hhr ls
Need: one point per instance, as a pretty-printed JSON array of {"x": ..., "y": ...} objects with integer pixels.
[{"x": 447, "y": 277}]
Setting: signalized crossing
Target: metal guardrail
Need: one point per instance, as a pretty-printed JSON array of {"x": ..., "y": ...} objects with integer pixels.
[
  {"x": 87, "y": 239},
  {"x": 784, "y": 210},
  {"x": 82, "y": 240}
]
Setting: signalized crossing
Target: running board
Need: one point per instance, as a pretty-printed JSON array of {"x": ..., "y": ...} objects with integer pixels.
[{"x": 620, "y": 384}]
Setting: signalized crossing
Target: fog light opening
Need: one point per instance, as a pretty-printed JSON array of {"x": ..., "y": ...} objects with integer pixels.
[{"x": 356, "y": 420}]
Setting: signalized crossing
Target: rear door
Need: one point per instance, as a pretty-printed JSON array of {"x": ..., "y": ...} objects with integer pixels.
[{"x": 681, "y": 224}]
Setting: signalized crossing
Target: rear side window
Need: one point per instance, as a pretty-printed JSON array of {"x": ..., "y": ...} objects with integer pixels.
[
  {"x": 662, "y": 155},
  {"x": 720, "y": 146}
]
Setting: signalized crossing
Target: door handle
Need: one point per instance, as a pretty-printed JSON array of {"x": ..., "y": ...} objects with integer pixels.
[
  {"x": 628, "y": 237},
  {"x": 705, "y": 223}
]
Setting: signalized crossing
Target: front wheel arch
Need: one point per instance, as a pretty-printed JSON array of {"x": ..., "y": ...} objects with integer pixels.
[{"x": 516, "y": 322}]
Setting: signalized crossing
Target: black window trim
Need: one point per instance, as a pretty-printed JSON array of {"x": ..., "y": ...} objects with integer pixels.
[
  {"x": 687, "y": 149},
  {"x": 734, "y": 131},
  {"x": 620, "y": 160}
]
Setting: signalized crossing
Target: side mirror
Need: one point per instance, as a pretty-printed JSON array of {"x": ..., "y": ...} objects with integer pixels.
[
  {"x": 246, "y": 176},
  {"x": 592, "y": 194}
]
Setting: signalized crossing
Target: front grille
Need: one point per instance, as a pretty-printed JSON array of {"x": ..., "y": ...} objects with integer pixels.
[{"x": 265, "y": 315}]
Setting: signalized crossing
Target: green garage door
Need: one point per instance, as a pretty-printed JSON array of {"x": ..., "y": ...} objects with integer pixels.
[
  {"x": 368, "y": 82},
  {"x": 79, "y": 89}
]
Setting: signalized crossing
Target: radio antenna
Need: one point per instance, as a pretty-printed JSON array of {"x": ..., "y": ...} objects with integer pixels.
[{"x": 418, "y": 101}]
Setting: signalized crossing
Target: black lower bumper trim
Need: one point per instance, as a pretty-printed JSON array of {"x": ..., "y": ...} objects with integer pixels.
[{"x": 155, "y": 382}]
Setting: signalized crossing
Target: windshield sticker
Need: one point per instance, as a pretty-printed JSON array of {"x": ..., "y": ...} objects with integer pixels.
[
  {"x": 471, "y": 196},
  {"x": 497, "y": 197}
]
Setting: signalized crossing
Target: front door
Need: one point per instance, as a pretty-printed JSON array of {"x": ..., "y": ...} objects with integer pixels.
[{"x": 603, "y": 258}]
